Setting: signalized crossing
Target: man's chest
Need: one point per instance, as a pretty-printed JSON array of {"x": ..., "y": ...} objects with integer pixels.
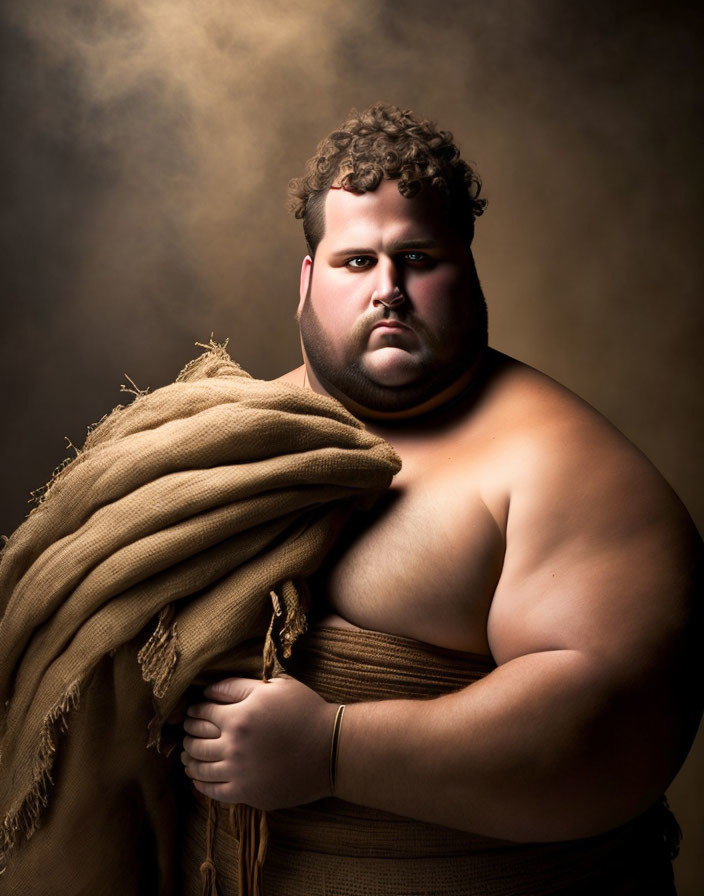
[{"x": 424, "y": 563}]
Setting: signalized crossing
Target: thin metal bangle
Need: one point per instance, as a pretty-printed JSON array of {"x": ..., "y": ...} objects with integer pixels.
[{"x": 334, "y": 746}]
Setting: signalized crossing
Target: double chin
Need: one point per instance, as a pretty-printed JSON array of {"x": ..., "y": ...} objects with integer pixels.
[{"x": 391, "y": 366}]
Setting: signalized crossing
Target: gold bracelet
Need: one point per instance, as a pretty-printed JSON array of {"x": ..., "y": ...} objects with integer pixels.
[{"x": 334, "y": 746}]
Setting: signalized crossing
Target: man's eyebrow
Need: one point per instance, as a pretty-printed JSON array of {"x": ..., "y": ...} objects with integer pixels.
[
  {"x": 400, "y": 245},
  {"x": 341, "y": 252},
  {"x": 414, "y": 244}
]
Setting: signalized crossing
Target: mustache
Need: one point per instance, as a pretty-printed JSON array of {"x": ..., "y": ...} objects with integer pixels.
[{"x": 364, "y": 325}]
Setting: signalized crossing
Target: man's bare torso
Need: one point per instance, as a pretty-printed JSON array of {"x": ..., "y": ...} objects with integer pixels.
[
  {"x": 427, "y": 561},
  {"x": 523, "y": 526}
]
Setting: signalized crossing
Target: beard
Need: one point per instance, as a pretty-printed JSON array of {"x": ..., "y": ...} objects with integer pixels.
[{"x": 439, "y": 362}]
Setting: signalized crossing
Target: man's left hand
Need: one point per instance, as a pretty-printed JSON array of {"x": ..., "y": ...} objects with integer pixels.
[{"x": 266, "y": 744}]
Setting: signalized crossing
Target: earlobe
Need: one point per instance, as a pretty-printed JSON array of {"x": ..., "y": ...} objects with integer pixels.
[{"x": 306, "y": 272}]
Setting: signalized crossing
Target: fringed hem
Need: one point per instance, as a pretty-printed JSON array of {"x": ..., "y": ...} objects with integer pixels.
[
  {"x": 288, "y": 623},
  {"x": 39, "y": 495},
  {"x": 24, "y": 822},
  {"x": 211, "y": 362},
  {"x": 207, "y": 364},
  {"x": 159, "y": 656},
  {"x": 158, "y": 659},
  {"x": 295, "y": 621},
  {"x": 208, "y": 871},
  {"x": 252, "y": 832}
]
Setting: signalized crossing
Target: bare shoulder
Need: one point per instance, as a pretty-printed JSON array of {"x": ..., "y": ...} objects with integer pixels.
[
  {"x": 556, "y": 438},
  {"x": 294, "y": 376},
  {"x": 551, "y": 436},
  {"x": 600, "y": 552}
]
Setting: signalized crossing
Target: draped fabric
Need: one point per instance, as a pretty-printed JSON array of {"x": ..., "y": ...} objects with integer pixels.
[
  {"x": 152, "y": 554},
  {"x": 335, "y": 848}
]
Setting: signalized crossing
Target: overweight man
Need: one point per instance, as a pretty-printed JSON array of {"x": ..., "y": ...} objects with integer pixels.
[{"x": 511, "y": 630}]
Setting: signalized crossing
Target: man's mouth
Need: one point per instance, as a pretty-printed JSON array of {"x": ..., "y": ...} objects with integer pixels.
[{"x": 390, "y": 325}]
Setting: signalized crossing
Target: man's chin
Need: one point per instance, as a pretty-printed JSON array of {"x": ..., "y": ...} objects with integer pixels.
[
  {"x": 392, "y": 368},
  {"x": 388, "y": 381}
]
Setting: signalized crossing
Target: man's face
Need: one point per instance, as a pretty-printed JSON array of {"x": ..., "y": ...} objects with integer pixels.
[{"x": 391, "y": 311}]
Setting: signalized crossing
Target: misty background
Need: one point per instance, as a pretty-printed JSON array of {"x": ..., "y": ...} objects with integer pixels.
[{"x": 146, "y": 149}]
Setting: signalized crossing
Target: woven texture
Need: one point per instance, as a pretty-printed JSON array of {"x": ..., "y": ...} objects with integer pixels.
[
  {"x": 151, "y": 555},
  {"x": 335, "y": 848}
]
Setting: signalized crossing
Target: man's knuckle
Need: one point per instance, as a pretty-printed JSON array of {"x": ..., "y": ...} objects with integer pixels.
[
  {"x": 241, "y": 727},
  {"x": 228, "y": 740}
]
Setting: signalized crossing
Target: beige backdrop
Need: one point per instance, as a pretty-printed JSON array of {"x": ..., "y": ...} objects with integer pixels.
[{"x": 146, "y": 150}]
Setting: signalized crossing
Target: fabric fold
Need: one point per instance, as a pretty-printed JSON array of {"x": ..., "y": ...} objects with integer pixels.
[{"x": 151, "y": 554}]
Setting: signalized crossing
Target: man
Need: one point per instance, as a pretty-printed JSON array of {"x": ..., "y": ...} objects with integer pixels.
[{"x": 522, "y": 527}]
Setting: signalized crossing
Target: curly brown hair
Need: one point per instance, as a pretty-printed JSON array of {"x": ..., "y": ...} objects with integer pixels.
[{"x": 386, "y": 143}]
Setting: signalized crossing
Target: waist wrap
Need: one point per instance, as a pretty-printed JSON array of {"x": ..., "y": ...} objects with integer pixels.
[{"x": 335, "y": 848}]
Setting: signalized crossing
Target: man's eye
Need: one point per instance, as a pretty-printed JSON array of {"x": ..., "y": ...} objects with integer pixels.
[
  {"x": 359, "y": 261},
  {"x": 418, "y": 258}
]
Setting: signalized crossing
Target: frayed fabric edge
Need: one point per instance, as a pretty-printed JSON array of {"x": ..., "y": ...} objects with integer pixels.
[
  {"x": 205, "y": 364},
  {"x": 159, "y": 656},
  {"x": 22, "y": 823},
  {"x": 158, "y": 659}
]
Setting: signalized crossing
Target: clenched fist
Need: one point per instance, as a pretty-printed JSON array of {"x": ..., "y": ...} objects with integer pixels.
[{"x": 266, "y": 744}]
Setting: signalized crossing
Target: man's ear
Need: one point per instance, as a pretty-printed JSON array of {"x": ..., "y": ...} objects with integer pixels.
[{"x": 306, "y": 273}]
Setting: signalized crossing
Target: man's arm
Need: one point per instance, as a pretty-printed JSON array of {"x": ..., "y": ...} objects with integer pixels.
[{"x": 595, "y": 700}]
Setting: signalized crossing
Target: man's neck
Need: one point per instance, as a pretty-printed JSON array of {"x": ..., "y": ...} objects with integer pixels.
[{"x": 434, "y": 412}]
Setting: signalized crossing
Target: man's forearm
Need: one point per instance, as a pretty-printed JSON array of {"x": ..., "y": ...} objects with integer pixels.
[{"x": 543, "y": 748}]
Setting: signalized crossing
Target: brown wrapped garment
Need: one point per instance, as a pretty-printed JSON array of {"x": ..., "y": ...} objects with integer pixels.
[
  {"x": 152, "y": 554},
  {"x": 334, "y": 848}
]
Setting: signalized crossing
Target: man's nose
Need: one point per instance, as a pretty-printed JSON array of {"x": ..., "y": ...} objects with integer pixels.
[
  {"x": 388, "y": 290},
  {"x": 389, "y": 300}
]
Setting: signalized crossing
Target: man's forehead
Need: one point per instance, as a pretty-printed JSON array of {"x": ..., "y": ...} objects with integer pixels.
[{"x": 348, "y": 213}]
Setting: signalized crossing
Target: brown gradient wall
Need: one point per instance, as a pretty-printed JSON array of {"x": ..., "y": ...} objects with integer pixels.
[{"x": 145, "y": 154}]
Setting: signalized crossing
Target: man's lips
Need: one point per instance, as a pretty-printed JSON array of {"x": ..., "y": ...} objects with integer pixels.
[
  {"x": 390, "y": 325},
  {"x": 391, "y": 332}
]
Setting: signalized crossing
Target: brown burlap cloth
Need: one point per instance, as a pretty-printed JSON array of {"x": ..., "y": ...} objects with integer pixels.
[
  {"x": 334, "y": 848},
  {"x": 152, "y": 554}
]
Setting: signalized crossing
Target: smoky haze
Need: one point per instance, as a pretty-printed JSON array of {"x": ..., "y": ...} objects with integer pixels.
[{"x": 147, "y": 145}]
